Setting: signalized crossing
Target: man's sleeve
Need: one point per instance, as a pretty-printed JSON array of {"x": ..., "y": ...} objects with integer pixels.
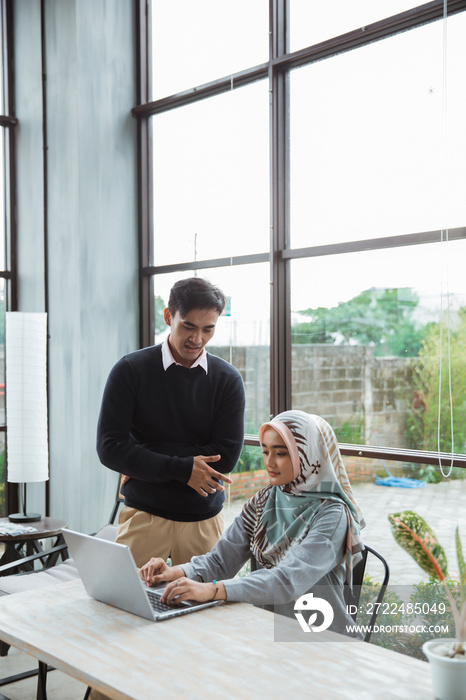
[{"x": 115, "y": 447}]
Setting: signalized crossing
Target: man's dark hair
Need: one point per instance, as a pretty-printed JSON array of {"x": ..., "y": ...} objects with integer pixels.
[{"x": 195, "y": 293}]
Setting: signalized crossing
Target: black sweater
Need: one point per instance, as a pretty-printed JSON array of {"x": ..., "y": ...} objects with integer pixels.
[{"x": 153, "y": 422}]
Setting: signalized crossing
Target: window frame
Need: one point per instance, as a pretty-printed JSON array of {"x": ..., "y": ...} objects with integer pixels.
[
  {"x": 276, "y": 70},
  {"x": 8, "y": 122}
]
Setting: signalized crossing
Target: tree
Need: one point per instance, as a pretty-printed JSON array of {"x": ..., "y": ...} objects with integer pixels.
[
  {"x": 424, "y": 419},
  {"x": 382, "y": 318},
  {"x": 159, "y": 306}
]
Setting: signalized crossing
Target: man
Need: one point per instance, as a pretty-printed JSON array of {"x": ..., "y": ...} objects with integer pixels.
[{"x": 172, "y": 421}]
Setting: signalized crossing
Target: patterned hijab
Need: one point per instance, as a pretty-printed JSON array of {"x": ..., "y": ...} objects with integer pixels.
[{"x": 279, "y": 517}]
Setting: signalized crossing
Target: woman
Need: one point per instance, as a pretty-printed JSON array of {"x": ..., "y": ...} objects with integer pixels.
[{"x": 302, "y": 529}]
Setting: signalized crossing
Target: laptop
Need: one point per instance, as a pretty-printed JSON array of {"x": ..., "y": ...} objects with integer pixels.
[{"x": 109, "y": 574}]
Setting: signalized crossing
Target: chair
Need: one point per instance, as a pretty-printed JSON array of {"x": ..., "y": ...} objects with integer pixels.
[
  {"x": 352, "y": 595},
  {"x": 47, "y": 575}
]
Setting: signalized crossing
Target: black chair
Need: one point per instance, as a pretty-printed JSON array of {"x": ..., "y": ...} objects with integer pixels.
[
  {"x": 352, "y": 595},
  {"x": 59, "y": 572}
]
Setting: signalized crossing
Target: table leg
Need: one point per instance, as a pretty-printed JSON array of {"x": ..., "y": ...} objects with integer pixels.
[
  {"x": 42, "y": 681},
  {"x": 10, "y": 554}
]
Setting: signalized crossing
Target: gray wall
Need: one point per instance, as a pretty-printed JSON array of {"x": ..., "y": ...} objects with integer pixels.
[{"x": 91, "y": 221}]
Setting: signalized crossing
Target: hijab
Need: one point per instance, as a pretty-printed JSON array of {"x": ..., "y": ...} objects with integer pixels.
[{"x": 279, "y": 517}]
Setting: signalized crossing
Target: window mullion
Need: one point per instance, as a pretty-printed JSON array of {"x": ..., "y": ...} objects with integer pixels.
[{"x": 280, "y": 341}]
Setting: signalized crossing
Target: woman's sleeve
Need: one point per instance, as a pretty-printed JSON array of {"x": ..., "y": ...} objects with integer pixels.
[
  {"x": 302, "y": 566},
  {"x": 226, "y": 558}
]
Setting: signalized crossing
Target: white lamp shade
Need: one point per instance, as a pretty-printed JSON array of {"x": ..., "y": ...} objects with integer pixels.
[{"x": 26, "y": 396}]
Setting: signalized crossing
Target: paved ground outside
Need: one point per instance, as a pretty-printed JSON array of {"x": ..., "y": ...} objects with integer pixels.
[{"x": 443, "y": 507}]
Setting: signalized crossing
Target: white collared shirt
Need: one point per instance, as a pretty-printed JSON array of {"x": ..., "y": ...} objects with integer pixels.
[{"x": 168, "y": 359}]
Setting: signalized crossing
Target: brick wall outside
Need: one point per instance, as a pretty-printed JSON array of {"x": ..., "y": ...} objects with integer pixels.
[{"x": 246, "y": 484}]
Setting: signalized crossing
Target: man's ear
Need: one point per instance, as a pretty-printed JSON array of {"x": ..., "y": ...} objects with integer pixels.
[{"x": 167, "y": 317}]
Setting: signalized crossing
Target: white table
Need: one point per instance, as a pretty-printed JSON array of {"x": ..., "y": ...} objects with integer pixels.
[{"x": 223, "y": 652}]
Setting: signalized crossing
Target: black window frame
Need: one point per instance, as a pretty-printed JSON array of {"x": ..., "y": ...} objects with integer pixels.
[
  {"x": 276, "y": 71},
  {"x": 8, "y": 122}
]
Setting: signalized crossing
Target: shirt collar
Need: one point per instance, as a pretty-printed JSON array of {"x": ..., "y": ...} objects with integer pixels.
[{"x": 168, "y": 359}]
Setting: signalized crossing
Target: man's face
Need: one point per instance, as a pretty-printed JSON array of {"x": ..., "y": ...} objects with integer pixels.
[{"x": 190, "y": 333}]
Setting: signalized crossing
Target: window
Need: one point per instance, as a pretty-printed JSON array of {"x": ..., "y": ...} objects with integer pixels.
[
  {"x": 7, "y": 224},
  {"x": 319, "y": 182}
]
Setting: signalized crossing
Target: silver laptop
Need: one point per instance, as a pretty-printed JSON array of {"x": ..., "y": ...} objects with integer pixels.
[{"x": 109, "y": 574}]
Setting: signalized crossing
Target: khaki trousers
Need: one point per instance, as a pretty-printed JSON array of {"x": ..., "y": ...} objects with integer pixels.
[{"x": 150, "y": 536}]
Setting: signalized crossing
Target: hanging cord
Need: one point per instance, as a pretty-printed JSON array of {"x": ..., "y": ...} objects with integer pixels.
[{"x": 444, "y": 249}]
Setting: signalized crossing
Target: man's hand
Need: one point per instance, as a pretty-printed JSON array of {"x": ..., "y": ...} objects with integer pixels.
[
  {"x": 157, "y": 570},
  {"x": 203, "y": 477}
]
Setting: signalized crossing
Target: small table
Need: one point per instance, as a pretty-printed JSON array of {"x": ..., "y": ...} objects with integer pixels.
[{"x": 18, "y": 547}]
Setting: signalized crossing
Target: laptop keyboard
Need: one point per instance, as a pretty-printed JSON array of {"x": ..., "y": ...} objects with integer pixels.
[{"x": 157, "y": 604}]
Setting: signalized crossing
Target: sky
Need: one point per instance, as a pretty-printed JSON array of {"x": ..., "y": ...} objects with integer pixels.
[{"x": 377, "y": 148}]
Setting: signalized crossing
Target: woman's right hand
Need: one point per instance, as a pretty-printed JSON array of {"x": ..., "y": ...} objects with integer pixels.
[{"x": 157, "y": 571}]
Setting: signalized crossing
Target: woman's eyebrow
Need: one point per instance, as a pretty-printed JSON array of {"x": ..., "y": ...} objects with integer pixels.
[{"x": 283, "y": 447}]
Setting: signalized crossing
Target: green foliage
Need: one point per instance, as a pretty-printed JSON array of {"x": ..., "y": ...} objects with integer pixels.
[
  {"x": 391, "y": 601},
  {"x": 249, "y": 460},
  {"x": 415, "y": 536},
  {"x": 430, "y": 609},
  {"x": 422, "y": 423},
  {"x": 351, "y": 431},
  {"x": 460, "y": 558},
  {"x": 159, "y": 307},
  {"x": 245, "y": 569},
  {"x": 381, "y": 318}
]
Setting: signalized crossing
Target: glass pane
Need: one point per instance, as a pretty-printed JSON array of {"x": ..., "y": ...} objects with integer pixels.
[
  {"x": 197, "y": 42},
  {"x": 311, "y": 23},
  {"x": 367, "y": 348},
  {"x": 378, "y": 145},
  {"x": 211, "y": 178},
  {"x": 242, "y": 336}
]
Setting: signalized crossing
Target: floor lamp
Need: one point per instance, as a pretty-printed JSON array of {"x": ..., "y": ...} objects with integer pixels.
[{"x": 26, "y": 403}]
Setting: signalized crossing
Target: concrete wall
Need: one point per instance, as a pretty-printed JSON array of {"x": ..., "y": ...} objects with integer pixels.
[
  {"x": 343, "y": 382},
  {"x": 254, "y": 364},
  {"x": 340, "y": 383},
  {"x": 91, "y": 218}
]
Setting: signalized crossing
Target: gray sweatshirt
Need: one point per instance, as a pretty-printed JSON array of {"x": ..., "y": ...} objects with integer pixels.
[{"x": 316, "y": 563}]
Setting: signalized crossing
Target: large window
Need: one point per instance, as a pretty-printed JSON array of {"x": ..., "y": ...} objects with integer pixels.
[
  {"x": 7, "y": 223},
  {"x": 310, "y": 161}
]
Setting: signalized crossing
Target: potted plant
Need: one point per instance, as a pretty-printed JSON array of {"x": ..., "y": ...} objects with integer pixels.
[{"x": 446, "y": 656}]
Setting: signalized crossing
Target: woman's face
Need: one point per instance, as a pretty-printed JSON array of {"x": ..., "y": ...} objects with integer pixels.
[{"x": 277, "y": 459}]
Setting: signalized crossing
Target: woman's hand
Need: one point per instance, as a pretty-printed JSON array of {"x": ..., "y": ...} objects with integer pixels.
[
  {"x": 187, "y": 589},
  {"x": 157, "y": 570}
]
